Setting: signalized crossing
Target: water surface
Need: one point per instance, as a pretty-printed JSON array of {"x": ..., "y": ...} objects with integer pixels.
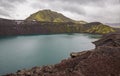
[{"x": 19, "y": 52}]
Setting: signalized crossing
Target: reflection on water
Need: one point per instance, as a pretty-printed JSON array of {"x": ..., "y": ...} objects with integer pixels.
[{"x": 20, "y": 52}]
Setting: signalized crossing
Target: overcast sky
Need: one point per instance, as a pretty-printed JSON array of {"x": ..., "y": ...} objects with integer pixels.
[{"x": 106, "y": 11}]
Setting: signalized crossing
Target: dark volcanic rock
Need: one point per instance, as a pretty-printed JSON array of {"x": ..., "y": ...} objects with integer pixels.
[
  {"x": 104, "y": 60},
  {"x": 112, "y": 40},
  {"x": 117, "y": 30},
  {"x": 22, "y": 27}
]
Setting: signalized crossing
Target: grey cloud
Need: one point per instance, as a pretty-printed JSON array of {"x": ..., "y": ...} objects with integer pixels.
[
  {"x": 91, "y": 10},
  {"x": 75, "y": 9},
  {"x": 95, "y": 3},
  {"x": 85, "y": 2},
  {"x": 58, "y": 5},
  {"x": 4, "y": 13},
  {"x": 96, "y": 7},
  {"x": 7, "y": 6},
  {"x": 12, "y": 1},
  {"x": 92, "y": 1},
  {"x": 37, "y": 5}
]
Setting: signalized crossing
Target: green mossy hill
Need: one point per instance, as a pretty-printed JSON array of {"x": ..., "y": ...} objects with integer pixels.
[
  {"x": 97, "y": 27},
  {"x": 48, "y": 16}
]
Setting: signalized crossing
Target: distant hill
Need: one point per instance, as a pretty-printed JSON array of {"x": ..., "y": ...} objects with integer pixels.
[
  {"x": 97, "y": 27},
  {"x": 48, "y": 16}
]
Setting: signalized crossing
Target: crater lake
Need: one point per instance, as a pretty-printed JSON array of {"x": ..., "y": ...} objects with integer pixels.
[{"x": 27, "y": 51}]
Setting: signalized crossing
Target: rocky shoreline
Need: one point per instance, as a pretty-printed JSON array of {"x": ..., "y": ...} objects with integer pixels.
[{"x": 104, "y": 60}]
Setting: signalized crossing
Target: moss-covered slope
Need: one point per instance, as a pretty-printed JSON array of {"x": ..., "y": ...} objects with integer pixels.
[
  {"x": 48, "y": 16},
  {"x": 97, "y": 27}
]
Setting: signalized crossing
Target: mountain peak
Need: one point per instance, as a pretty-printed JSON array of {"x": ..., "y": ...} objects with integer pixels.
[{"x": 49, "y": 16}]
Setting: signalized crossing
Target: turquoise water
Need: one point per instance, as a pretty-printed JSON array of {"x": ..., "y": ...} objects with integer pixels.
[{"x": 19, "y": 52}]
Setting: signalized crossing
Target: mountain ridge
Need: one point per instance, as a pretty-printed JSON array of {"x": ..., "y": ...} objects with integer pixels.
[
  {"x": 48, "y": 16},
  {"x": 19, "y": 27},
  {"x": 50, "y": 22}
]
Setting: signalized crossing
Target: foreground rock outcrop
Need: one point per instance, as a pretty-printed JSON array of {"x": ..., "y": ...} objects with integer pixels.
[
  {"x": 112, "y": 40},
  {"x": 104, "y": 60}
]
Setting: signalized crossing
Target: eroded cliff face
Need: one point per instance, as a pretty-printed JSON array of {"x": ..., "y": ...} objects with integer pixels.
[
  {"x": 104, "y": 60},
  {"x": 19, "y": 27}
]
